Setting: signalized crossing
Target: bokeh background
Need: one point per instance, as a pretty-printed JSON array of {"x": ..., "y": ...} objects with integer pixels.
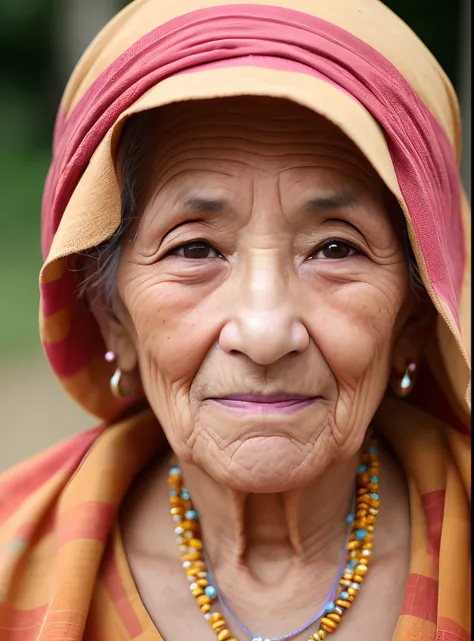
[{"x": 40, "y": 42}]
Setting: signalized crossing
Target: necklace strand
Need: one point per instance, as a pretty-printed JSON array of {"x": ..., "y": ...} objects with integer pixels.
[
  {"x": 314, "y": 619},
  {"x": 358, "y": 551}
]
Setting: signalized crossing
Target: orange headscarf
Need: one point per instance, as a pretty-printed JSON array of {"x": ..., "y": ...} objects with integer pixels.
[{"x": 63, "y": 572}]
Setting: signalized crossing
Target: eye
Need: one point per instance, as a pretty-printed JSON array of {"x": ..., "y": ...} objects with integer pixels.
[
  {"x": 335, "y": 250},
  {"x": 197, "y": 250}
]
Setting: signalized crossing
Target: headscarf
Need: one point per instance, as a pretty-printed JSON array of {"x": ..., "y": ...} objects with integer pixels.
[{"x": 63, "y": 573}]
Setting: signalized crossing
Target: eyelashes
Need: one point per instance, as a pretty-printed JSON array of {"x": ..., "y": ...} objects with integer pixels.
[{"x": 332, "y": 249}]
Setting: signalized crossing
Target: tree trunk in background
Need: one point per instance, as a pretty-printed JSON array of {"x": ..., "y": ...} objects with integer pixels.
[
  {"x": 465, "y": 95},
  {"x": 77, "y": 24}
]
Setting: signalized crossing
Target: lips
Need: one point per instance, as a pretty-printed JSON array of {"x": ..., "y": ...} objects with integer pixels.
[{"x": 265, "y": 404}]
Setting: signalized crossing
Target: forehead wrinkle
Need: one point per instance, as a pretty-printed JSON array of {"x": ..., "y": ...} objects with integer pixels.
[{"x": 158, "y": 189}]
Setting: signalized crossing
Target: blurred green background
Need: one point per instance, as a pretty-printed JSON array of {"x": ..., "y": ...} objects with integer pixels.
[{"x": 40, "y": 41}]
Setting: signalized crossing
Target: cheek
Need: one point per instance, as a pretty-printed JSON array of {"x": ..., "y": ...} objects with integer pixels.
[
  {"x": 355, "y": 330},
  {"x": 173, "y": 333}
]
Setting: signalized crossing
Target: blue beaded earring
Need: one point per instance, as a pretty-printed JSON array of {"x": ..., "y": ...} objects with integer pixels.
[{"x": 408, "y": 380}]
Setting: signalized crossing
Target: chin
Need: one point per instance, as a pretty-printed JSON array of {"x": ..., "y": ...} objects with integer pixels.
[{"x": 265, "y": 465}]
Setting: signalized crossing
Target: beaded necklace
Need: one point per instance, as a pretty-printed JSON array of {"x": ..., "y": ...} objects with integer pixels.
[{"x": 358, "y": 551}]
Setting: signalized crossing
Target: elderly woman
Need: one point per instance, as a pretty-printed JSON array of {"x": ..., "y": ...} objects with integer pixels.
[{"x": 254, "y": 275}]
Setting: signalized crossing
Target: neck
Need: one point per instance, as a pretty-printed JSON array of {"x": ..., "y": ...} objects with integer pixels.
[{"x": 268, "y": 535}]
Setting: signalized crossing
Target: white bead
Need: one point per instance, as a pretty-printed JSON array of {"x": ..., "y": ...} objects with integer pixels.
[
  {"x": 366, "y": 552},
  {"x": 178, "y": 530},
  {"x": 356, "y": 586},
  {"x": 187, "y": 564},
  {"x": 177, "y": 518},
  {"x": 179, "y": 540},
  {"x": 208, "y": 615},
  {"x": 202, "y": 575},
  {"x": 193, "y": 586},
  {"x": 188, "y": 534}
]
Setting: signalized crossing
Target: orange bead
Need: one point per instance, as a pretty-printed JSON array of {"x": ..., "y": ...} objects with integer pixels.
[
  {"x": 353, "y": 545},
  {"x": 361, "y": 570},
  {"x": 368, "y": 546},
  {"x": 175, "y": 500},
  {"x": 192, "y": 571},
  {"x": 224, "y": 635},
  {"x": 190, "y": 525},
  {"x": 215, "y": 616},
  {"x": 197, "y": 591},
  {"x": 363, "y": 560},
  {"x": 334, "y": 617},
  {"x": 192, "y": 556},
  {"x": 202, "y": 582},
  {"x": 358, "y": 578},
  {"x": 205, "y": 608},
  {"x": 201, "y": 600},
  {"x": 195, "y": 543},
  {"x": 343, "y": 604},
  {"x": 176, "y": 511},
  {"x": 370, "y": 528},
  {"x": 320, "y": 635},
  {"x": 328, "y": 625},
  {"x": 217, "y": 625},
  {"x": 351, "y": 591}
]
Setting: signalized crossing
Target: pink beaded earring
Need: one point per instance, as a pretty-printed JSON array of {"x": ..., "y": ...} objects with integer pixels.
[{"x": 116, "y": 377}]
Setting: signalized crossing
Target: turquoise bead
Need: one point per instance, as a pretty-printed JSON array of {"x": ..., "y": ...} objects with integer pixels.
[
  {"x": 192, "y": 515},
  {"x": 361, "y": 534},
  {"x": 330, "y": 607},
  {"x": 344, "y": 595},
  {"x": 210, "y": 591},
  {"x": 175, "y": 471}
]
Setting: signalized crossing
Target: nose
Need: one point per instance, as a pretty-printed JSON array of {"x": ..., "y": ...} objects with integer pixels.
[{"x": 263, "y": 320}]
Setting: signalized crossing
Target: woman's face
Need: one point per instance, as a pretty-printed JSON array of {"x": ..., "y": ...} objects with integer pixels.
[{"x": 264, "y": 294}]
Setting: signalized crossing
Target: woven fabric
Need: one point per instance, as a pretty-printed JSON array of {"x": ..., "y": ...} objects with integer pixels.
[{"x": 63, "y": 571}]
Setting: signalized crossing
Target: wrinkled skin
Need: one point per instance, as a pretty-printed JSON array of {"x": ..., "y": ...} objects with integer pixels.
[{"x": 265, "y": 261}]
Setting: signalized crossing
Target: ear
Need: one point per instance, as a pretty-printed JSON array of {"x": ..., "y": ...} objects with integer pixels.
[
  {"x": 412, "y": 339},
  {"x": 118, "y": 335}
]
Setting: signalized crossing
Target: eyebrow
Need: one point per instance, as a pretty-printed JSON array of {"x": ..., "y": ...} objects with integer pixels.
[
  {"x": 343, "y": 200},
  {"x": 335, "y": 202},
  {"x": 201, "y": 205}
]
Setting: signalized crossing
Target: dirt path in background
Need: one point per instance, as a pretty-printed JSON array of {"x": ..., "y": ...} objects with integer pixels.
[{"x": 34, "y": 411}]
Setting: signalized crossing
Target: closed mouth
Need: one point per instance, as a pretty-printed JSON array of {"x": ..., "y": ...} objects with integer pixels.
[{"x": 265, "y": 404}]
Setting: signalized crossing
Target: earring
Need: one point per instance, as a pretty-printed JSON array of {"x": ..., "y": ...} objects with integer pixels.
[
  {"x": 407, "y": 382},
  {"x": 117, "y": 375}
]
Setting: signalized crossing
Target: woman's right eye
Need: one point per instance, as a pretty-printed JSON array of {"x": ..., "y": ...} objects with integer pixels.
[{"x": 197, "y": 250}]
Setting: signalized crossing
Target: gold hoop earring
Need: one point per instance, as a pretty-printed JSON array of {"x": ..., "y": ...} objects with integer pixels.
[
  {"x": 115, "y": 384},
  {"x": 408, "y": 380}
]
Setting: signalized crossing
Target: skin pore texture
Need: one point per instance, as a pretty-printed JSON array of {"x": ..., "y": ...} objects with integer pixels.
[{"x": 263, "y": 304}]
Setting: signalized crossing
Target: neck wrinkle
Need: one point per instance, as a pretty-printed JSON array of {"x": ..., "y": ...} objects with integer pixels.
[{"x": 264, "y": 536}]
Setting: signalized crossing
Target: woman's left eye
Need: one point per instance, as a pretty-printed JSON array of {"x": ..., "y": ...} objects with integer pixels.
[
  {"x": 196, "y": 250},
  {"x": 335, "y": 250}
]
